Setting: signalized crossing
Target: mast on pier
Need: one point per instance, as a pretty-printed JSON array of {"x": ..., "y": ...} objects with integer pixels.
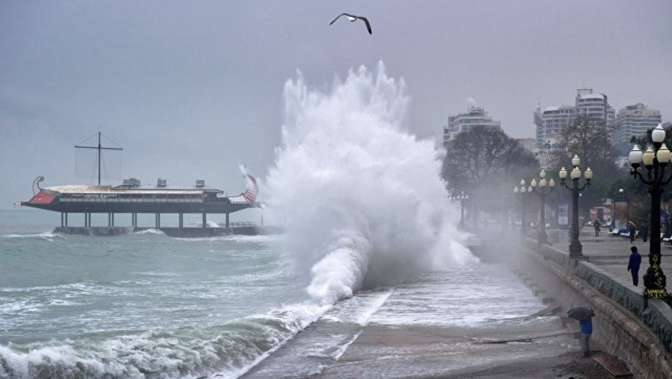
[{"x": 100, "y": 149}]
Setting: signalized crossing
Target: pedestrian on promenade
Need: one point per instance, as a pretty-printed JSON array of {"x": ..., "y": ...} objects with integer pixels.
[
  {"x": 586, "y": 331},
  {"x": 596, "y": 225},
  {"x": 633, "y": 265},
  {"x": 632, "y": 228},
  {"x": 644, "y": 231},
  {"x": 585, "y": 316}
]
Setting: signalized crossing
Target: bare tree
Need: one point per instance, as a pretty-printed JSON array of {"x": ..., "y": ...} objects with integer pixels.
[
  {"x": 590, "y": 139},
  {"x": 486, "y": 163}
]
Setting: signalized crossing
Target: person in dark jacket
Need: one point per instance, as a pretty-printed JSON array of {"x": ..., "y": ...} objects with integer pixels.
[
  {"x": 596, "y": 225},
  {"x": 644, "y": 231},
  {"x": 633, "y": 265},
  {"x": 632, "y": 228}
]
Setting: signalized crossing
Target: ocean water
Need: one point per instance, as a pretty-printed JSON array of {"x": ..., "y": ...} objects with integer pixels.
[
  {"x": 141, "y": 303},
  {"x": 148, "y": 305},
  {"x": 370, "y": 238}
]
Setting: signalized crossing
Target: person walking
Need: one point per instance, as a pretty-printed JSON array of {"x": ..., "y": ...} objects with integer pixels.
[
  {"x": 644, "y": 231},
  {"x": 596, "y": 225},
  {"x": 633, "y": 265},
  {"x": 632, "y": 228}
]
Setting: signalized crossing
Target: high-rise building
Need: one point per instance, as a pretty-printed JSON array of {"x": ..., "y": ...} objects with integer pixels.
[
  {"x": 550, "y": 122},
  {"x": 635, "y": 120},
  {"x": 475, "y": 116},
  {"x": 594, "y": 105}
]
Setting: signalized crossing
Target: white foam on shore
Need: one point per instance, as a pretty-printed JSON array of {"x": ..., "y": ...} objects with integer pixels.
[{"x": 464, "y": 297}]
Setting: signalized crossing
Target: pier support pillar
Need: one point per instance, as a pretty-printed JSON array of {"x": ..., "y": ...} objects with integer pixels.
[
  {"x": 180, "y": 221},
  {"x": 62, "y": 219},
  {"x": 134, "y": 220},
  {"x": 66, "y": 219},
  {"x": 227, "y": 220},
  {"x": 87, "y": 220},
  {"x": 110, "y": 220},
  {"x": 205, "y": 220},
  {"x": 157, "y": 220}
]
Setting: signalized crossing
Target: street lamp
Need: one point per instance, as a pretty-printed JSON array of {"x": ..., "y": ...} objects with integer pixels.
[
  {"x": 462, "y": 197},
  {"x": 575, "y": 248},
  {"x": 522, "y": 190},
  {"x": 621, "y": 191},
  {"x": 655, "y": 159},
  {"x": 542, "y": 187}
]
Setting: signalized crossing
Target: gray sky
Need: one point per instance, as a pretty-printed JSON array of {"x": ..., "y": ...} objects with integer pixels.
[{"x": 190, "y": 89}]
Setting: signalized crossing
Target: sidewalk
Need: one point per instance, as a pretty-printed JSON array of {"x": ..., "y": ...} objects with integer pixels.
[{"x": 611, "y": 254}]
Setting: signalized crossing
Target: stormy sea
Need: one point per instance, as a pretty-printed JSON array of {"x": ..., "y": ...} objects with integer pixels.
[{"x": 369, "y": 235}]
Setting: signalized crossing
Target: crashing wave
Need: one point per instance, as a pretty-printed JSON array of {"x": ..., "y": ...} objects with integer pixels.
[{"x": 360, "y": 197}]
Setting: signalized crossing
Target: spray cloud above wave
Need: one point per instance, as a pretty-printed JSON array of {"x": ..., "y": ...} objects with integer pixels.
[{"x": 360, "y": 197}]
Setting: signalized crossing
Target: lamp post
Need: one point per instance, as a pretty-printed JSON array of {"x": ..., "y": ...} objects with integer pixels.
[
  {"x": 655, "y": 159},
  {"x": 575, "y": 248},
  {"x": 621, "y": 191},
  {"x": 462, "y": 197},
  {"x": 542, "y": 187},
  {"x": 521, "y": 191}
]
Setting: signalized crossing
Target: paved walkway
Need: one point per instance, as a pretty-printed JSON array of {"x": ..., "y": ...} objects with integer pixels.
[{"x": 611, "y": 254}]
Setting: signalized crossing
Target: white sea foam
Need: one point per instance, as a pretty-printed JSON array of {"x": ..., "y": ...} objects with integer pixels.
[
  {"x": 229, "y": 349},
  {"x": 360, "y": 197},
  {"x": 48, "y": 236},
  {"x": 150, "y": 231},
  {"x": 262, "y": 238}
]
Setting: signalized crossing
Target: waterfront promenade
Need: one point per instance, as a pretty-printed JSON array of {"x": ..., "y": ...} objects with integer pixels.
[
  {"x": 547, "y": 348},
  {"x": 611, "y": 253}
]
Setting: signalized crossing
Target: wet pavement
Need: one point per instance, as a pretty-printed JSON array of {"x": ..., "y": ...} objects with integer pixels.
[{"x": 611, "y": 254}]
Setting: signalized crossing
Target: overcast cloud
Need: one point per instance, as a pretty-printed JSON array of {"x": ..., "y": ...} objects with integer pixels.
[{"x": 190, "y": 89}]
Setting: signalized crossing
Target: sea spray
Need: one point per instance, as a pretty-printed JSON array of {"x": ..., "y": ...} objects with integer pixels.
[{"x": 360, "y": 197}]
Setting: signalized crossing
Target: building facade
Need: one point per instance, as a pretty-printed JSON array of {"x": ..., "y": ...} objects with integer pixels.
[
  {"x": 594, "y": 106},
  {"x": 550, "y": 121},
  {"x": 475, "y": 116},
  {"x": 635, "y": 120}
]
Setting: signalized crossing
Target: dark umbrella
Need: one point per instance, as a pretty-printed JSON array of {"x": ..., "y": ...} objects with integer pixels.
[{"x": 580, "y": 313}]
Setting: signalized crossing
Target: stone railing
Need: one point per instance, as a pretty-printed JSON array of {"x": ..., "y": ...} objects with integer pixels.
[{"x": 623, "y": 327}]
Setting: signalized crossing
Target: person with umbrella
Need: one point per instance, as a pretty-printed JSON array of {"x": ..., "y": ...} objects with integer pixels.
[{"x": 584, "y": 315}]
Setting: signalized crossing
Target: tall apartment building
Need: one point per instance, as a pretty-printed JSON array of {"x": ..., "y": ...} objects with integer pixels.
[
  {"x": 594, "y": 105},
  {"x": 460, "y": 122},
  {"x": 635, "y": 120},
  {"x": 551, "y": 120}
]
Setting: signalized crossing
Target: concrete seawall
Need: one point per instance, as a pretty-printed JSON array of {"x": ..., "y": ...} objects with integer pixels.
[{"x": 642, "y": 338}]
